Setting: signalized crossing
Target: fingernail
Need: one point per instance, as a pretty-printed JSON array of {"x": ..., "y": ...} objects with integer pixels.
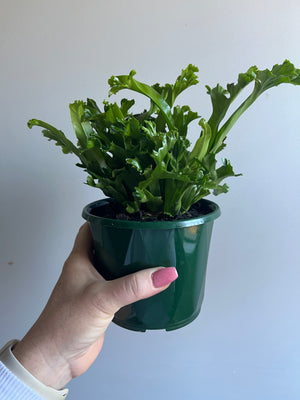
[{"x": 164, "y": 276}]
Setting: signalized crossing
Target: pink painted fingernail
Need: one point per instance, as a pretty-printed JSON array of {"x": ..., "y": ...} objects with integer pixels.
[{"x": 164, "y": 276}]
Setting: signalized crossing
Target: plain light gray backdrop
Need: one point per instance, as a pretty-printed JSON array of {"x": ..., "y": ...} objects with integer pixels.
[{"x": 245, "y": 344}]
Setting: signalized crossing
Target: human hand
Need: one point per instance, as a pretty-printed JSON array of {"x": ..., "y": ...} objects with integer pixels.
[{"x": 69, "y": 334}]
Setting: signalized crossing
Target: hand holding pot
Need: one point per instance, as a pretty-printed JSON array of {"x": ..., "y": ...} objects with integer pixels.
[{"x": 69, "y": 334}]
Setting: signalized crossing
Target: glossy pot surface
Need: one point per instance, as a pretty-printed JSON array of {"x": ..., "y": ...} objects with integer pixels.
[{"x": 123, "y": 247}]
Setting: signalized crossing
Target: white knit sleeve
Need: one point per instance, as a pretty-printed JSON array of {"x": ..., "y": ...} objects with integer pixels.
[{"x": 11, "y": 388}]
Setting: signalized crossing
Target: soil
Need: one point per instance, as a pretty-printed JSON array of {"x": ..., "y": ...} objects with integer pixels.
[{"x": 115, "y": 210}]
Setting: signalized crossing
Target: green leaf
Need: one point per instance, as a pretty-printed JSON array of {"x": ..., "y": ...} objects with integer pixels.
[
  {"x": 264, "y": 80},
  {"x": 125, "y": 106},
  {"x": 222, "y": 98},
  {"x": 202, "y": 145},
  {"x": 220, "y": 189},
  {"x": 120, "y": 82},
  {"x": 186, "y": 79},
  {"x": 225, "y": 171},
  {"x": 91, "y": 109},
  {"x": 183, "y": 116},
  {"x": 58, "y": 136},
  {"x": 113, "y": 113},
  {"x": 82, "y": 128},
  {"x": 134, "y": 163}
]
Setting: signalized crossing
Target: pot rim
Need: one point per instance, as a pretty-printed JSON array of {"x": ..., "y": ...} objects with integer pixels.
[{"x": 125, "y": 224}]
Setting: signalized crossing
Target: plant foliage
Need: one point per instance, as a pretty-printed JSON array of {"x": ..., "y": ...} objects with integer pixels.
[{"x": 145, "y": 161}]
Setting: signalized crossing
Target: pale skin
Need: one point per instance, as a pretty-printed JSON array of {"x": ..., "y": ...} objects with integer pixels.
[{"x": 68, "y": 336}]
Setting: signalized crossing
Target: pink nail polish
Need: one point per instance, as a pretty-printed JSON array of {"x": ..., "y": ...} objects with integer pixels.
[{"x": 164, "y": 276}]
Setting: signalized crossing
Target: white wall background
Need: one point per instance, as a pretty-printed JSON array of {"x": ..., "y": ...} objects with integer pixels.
[{"x": 246, "y": 342}]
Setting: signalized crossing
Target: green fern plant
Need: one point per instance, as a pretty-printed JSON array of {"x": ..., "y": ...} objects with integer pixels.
[{"x": 145, "y": 162}]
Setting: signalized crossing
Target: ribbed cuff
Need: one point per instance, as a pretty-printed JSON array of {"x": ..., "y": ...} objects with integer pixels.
[
  {"x": 10, "y": 361},
  {"x": 11, "y": 388}
]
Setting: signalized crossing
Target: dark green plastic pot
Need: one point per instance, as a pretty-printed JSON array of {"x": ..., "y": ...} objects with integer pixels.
[{"x": 123, "y": 247}]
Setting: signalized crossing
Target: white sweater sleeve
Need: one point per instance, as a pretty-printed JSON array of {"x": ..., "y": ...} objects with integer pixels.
[{"x": 11, "y": 388}]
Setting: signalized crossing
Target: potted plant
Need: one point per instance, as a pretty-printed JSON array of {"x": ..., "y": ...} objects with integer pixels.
[{"x": 155, "y": 213}]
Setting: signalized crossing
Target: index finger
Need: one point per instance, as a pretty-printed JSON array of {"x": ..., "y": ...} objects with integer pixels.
[{"x": 83, "y": 243}]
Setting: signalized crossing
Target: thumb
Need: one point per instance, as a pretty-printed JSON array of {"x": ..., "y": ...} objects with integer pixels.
[{"x": 140, "y": 285}]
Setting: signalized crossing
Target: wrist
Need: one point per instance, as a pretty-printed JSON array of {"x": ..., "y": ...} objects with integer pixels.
[
  {"x": 19, "y": 375},
  {"x": 43, "y": 362}
]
